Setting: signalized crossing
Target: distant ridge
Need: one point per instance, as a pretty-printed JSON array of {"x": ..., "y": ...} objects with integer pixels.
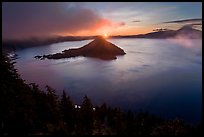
[{"x": 185, "y": 32}]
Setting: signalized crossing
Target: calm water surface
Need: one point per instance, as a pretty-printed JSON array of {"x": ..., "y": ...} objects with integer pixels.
[{"x": 163, "y": 77}]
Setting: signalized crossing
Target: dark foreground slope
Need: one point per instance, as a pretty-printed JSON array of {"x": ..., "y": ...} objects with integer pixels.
[{"x": 98, "y": 48}]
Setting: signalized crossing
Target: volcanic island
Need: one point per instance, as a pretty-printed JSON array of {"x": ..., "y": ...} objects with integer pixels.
[{"x": 98, "y": 48}]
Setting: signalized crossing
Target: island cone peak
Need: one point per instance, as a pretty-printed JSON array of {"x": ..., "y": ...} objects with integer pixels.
[{"x": 98, "y": 48}]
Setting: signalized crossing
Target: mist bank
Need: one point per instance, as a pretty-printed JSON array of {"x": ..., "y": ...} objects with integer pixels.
[
  {"x": 186, "y": 32},
  {"x": 12, "y": 45}
]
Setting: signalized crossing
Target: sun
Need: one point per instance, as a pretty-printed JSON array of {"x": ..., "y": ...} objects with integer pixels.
[{"x": 105, "y": 35}]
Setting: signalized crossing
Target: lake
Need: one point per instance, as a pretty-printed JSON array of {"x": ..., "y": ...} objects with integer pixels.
[{"x": 163, "y": 77}]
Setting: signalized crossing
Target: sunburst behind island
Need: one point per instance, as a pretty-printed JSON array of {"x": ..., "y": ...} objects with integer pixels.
[{"x": 105, "y": 35}]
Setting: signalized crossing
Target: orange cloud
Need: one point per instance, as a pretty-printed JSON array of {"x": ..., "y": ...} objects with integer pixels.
[{"x": 101, "y": 27}]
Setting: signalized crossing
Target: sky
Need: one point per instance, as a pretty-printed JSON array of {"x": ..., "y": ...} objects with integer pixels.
[{"x": 21, "y": 20}]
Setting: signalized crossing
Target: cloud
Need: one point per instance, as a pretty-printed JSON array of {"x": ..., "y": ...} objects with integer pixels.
[
  {"x": 23, "y": 20},
  {"x": 193, "y": 22},
  {"x": 185, "y": 21},
  {"x": 118, "y": 24},
  {"x": 136, "y": 21}
]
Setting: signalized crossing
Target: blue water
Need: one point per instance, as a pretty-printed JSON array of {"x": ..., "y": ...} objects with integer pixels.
[{"x": 163, "y": 77}]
